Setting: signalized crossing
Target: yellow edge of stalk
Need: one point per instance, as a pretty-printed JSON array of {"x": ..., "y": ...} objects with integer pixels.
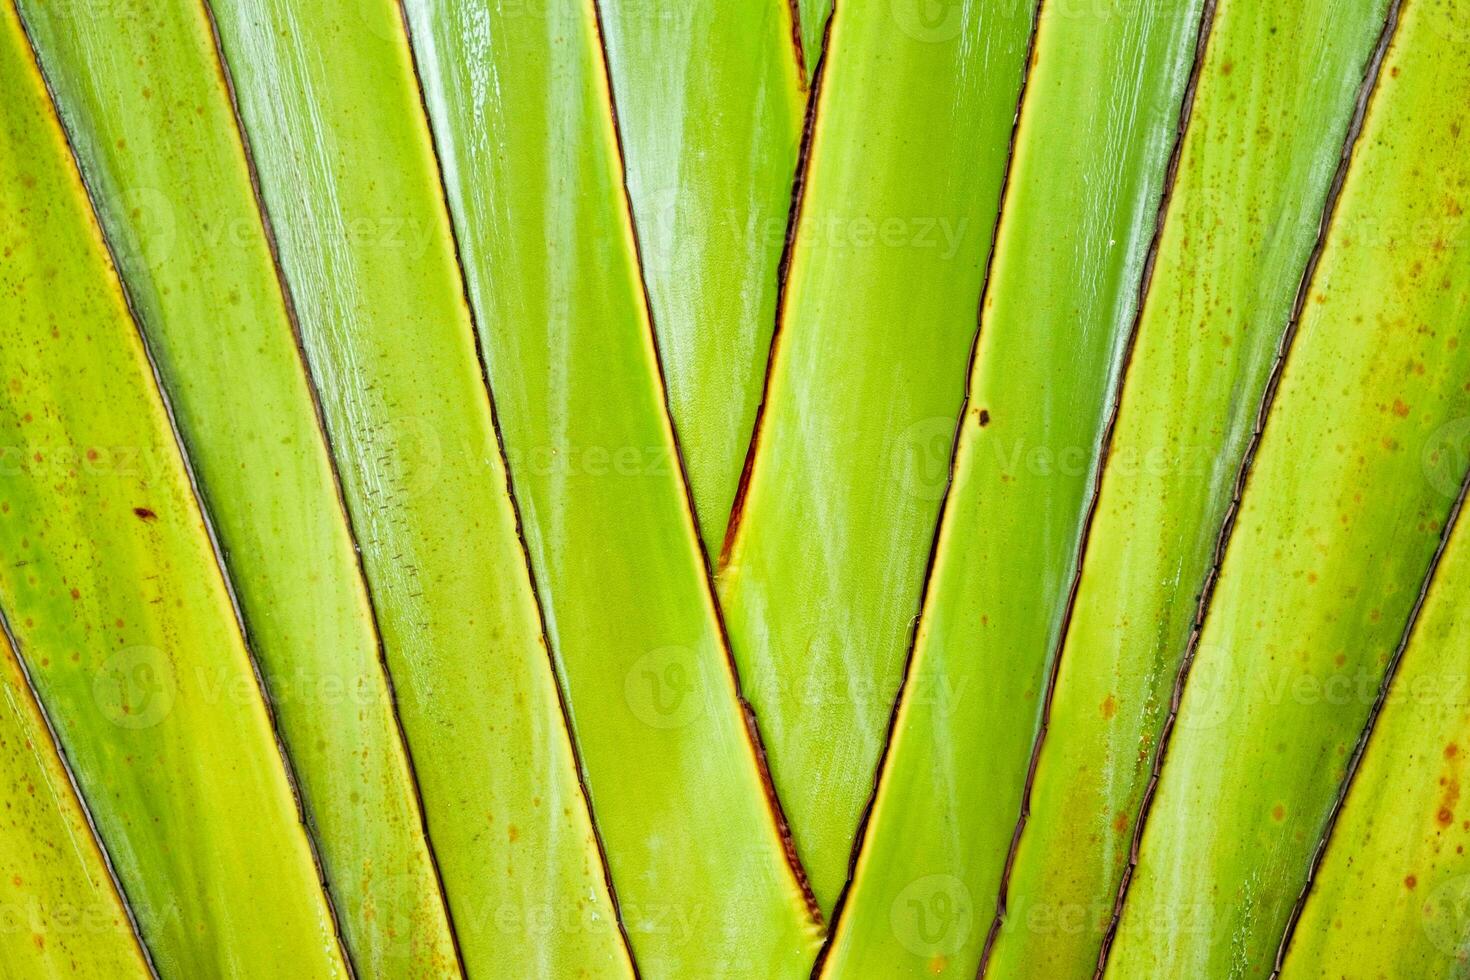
[
  {"x": 116, "y": 601},
  {"x": 349, "y": 179},
  {"x": 1389, "y": 898},
  {"x": 1266, "y": 133},
  {"x": 1376, "y": 372},
  {"x": 60, "y": 910},
  {"x": 704, "y": 877},
  {"x": 711, "y": 190},
  {"x": 1097, "y": 133},
  {"x": 198, "y": 266},
  {"x": 826, "y": 557}
]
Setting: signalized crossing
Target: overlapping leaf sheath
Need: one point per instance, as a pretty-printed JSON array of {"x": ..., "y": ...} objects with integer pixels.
[
  {"x": 535, "y": 185},
  {"x": 1265, "y": 136},
  {"x": 812, "y": 16},
  {"x": 1390, "y": 897},
  {"x": 1098, "y": 126},
  {"x": 710, "y": 102},
  {"x": 825, "y": 566},
  {"x": 348, "y": 177},
  {"x": 60, "y": 912},
  {"x": 141, "y": 91},
  {"x": 1342, "y": 512},
  {"x": 111, "y": 587}
]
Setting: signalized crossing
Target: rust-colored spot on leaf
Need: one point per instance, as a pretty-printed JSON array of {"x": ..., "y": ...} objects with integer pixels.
[
  {"x": 1109, "y": 707},
  {"x": 144, "y": 514},
  {"x": 1411, "y": 882},
  {"x": 1278, "y": 813}
]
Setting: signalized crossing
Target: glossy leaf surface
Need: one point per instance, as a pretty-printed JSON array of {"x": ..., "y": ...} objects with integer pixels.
[
  {"x": 146, "y": 102},
  {"x": 1097, "y": 128},
  {"x": 1389, "y": 899},
  {"x": 1377, "y": 370},
  {"x": 710, "y": 103},
  {"x": 112, "y": 590},
  {"x": 62, "y": 914},
  {"x": 349, "y": 179},
  {"x": 827, "y": 554},
  {"x": 701, "y": 872},
  {"x": 1265, "y": 136}
]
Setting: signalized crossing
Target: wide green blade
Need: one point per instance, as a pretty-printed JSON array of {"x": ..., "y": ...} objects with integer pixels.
[
  {"x": 176, "y": 198},
  {"x": 60, "y": 912},
  {"x": 1097, "y": 128},
  {"x": 348, "y": 177},
  {"x": 117, "y": 604},
  {"x": 710, "y": 104},
  {"x": 1217, "y": 308},
  {"x": 828, "y": 547},
  {"x": 1343, "y": 514},
  {"x": 1390, "y": 897},
  {"x": 535, "y": 185}
]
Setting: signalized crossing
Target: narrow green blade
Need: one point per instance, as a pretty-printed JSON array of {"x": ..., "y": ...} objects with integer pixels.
[
  {"x": 348, "y": 176},
  {"x": 812, "y": 17},
  {"x": 111, "y": 586},
  {"x": 710, "y": 103},
  {"x": 1217, "y": 308},
  {"x": 1097, "y": 129},
  {"x": 548, "y": 249},
  {"x": 824, "y": 569},
  {"x": 1336, "y": 529},
  {"x": 1390, "y": 897},
  {"x": 60, "y": 912},
  {"x": 177, "y": 200}
]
